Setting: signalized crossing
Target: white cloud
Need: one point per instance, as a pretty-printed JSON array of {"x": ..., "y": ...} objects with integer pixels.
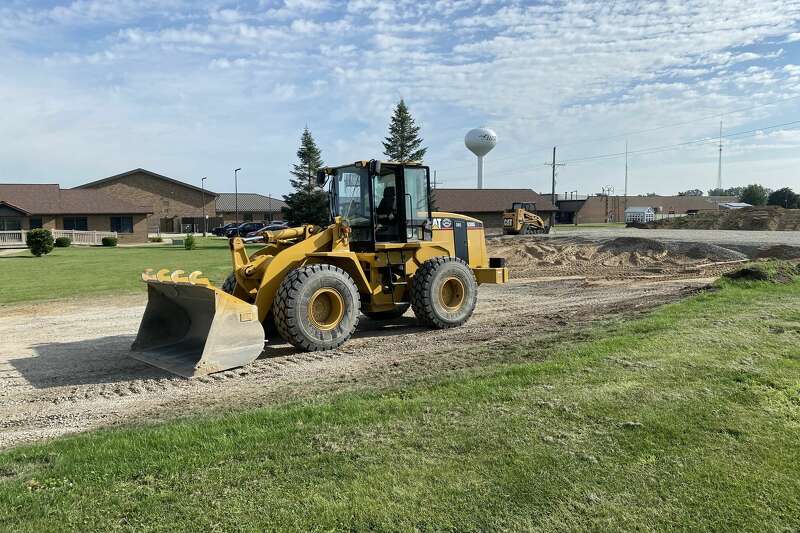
[{"x": 558, "y": 72}]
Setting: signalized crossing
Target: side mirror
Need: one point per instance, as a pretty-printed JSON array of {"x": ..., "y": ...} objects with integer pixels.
[
  {"x": 375, "y": 167},
  {"x": 321, "y": 178}
]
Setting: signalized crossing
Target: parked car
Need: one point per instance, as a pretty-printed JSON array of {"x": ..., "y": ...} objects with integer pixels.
[
  {"x": 272, "y": 226},
  {"x": 256, "y": 236},
  {"x": 243, "y": 229},
  {"x": 221, "y": 231}
]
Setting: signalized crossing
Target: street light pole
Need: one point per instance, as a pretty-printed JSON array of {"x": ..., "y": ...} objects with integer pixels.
[
  {"x": 203, "y": 189},
  {"x": 236, "y": 192}
]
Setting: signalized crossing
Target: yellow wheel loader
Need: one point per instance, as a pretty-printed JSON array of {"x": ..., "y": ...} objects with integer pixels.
[
  {"x": 522, "y": 219},
  {"x": 385, "y": 252}
]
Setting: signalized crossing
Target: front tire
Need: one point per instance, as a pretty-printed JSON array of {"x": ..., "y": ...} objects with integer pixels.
[
  {"x": 229, "y": 286},
  {"x": 444, "y": 292},
  {"x": 316, "y": 307}
]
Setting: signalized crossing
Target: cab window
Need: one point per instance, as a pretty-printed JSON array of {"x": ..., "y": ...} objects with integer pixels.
[
  {"x": 385, "y": 194},
  {"x": 353, "y": 202},
  {"x": 417, "y": 207}
]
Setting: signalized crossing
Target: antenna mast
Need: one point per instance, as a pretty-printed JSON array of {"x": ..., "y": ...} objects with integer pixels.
[{"x": 719, "y": 164}]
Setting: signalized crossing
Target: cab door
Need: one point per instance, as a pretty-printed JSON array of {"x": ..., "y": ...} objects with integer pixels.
[{"x": 416, "y": 203}]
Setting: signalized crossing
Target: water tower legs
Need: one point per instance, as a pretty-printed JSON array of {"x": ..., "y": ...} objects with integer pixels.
[{"x": 480, "y": 172}]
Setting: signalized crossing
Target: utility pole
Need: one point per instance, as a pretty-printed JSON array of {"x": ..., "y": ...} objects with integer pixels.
[
  {"x": 719, "y": 164},
  {"x": 203, "y": 189},
  {"x": 236, "y": 192},
  {"x": 553, "y": 198},
  {"x": 434, "y": 179},
  {"x": 625, "y": 201}
]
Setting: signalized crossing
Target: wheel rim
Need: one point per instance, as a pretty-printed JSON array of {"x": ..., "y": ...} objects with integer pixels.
[
  {"x": 326, "y": 308},
  {"x": 451, "y": 295}
]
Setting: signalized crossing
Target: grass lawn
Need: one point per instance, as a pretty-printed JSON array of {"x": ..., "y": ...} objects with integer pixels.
[
  {"x": 80, "y": 270},
  {"x": 688, "y": 418}
]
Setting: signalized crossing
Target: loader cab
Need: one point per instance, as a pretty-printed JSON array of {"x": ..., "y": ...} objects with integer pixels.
[
  {"x": 382, "y": 202},
  {"x": 527, "y": 206}
]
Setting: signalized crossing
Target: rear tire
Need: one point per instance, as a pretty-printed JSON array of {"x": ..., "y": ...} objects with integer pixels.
[
  {"x": 444, "y": 292},
  {"x": 398, "y": 311},
  {"x": 316, "y": 307}
]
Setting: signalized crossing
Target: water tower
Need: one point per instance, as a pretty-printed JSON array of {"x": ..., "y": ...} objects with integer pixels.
[{"x": 480, "y": 142}]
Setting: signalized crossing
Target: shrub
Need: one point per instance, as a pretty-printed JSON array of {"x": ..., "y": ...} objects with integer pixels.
[
  {"x": 40, "y": 241},
  {"x": 155, "y": 239},
  {"x": 63, "y": 242},
  {"x": 109, "y": 241},
  {"x": 189, "y": 243}
]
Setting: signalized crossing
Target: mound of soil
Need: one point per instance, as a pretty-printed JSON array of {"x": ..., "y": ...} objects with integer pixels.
[
  {"x": 779, "y": 251},
  {"x": 529, "y": 256},
  {"x": 773, "y": 271},
  {"x": 758, "y": 218}
]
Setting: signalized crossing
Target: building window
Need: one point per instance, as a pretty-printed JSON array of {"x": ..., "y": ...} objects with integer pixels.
[
  {"x": 76, "y": 223},
  {"x": 122, "y": 224},
  {"x": 10, "y": 223},
  {"x": 36, "y": 222}
]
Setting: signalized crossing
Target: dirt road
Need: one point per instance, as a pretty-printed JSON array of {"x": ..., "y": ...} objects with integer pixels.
[{"x": 73, "y": 372}]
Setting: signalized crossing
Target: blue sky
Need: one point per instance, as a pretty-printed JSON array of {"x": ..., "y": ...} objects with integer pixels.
[{"x": 92, "y": 88}]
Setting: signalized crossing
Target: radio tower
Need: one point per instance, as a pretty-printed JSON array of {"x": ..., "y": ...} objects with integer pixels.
[{"x": 719, "y": 165}]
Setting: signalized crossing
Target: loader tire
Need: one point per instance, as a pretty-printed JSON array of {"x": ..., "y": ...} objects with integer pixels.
[
  {"x": 229, "y": 285},
  {"x": 398, "y": 311},
  {"x": 270, "y": 331},
  {"x": 444, "y": 292},
  {"x": 316, "y": 307}
]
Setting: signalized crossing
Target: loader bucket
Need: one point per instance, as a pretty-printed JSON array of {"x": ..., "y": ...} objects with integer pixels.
[{"x": 191, "y": 328}]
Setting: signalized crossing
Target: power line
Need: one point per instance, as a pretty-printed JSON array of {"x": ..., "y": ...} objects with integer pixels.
[
  {"x": 659, "y": 149},
  {"x": 655, "y": 149},
  {"x": 637, "y": 132}
]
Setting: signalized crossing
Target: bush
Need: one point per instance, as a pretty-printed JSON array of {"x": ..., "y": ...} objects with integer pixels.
[
  {"x": 155, "y": 239},
  {"x": 40, "y": 241},
  {"x": 109, "y": 241},
  {"x": 189, "y": 243},
  {"x": 63, "y": 242}
]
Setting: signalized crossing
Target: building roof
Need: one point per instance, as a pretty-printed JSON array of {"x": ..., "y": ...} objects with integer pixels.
[
  {"x": 678, "y": 204},
  {"x": 734, "y": 205},
  {"x": 50, "y": 199},
  {"x": 148, "y": 173},
  {"x": 248, "y": 201},
  {"x": 638, "y": 209},
  {"x": 487, "y": 200}
]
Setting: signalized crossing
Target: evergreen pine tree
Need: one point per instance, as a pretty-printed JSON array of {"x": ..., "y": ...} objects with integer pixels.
[
  {"x": 403, "y": 143},
  {"x": 308, "y": 204}
]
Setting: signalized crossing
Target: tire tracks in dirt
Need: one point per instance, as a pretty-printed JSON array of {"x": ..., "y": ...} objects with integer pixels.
[{"x": 75, "y": 374}]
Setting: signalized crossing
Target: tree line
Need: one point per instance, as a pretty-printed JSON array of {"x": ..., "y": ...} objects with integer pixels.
[
  {"x": 754, "y": 194},
  {"x": 309, "y": 203}
]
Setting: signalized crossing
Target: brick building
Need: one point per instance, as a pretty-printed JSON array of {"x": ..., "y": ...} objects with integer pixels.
[
  {"x": 175, "y": 206},
  {"x": 29, "y": 206},
  {"x": 488, "y": 205},
  {"x": 602, "y": 208}
]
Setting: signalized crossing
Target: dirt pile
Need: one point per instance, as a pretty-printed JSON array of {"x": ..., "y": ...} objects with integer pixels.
[
  {"x": 759, "y": 218},
  {"x": 529, "y": 256},
  {"x": 772, "y": 271}
]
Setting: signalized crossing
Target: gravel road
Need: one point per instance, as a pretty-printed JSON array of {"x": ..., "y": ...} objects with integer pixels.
[{"x": 75, "y": 374}]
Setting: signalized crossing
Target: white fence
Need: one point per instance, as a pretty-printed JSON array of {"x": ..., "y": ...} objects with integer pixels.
[{"x": 16, "y": 239}]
